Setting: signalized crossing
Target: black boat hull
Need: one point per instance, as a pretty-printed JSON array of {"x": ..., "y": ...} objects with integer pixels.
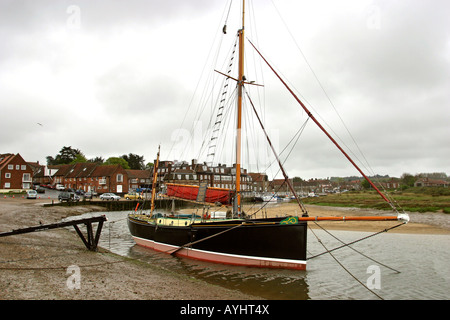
[{"x": 256, "y": 243}]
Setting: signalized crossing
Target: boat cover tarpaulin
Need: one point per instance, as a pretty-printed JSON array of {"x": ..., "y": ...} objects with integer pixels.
[{"x": 189, "y": 192}]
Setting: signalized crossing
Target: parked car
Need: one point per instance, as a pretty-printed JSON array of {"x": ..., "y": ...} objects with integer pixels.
[
  {"x": 132, "y": 196},
  {"x": 40, "y": 190},
  {"x": 68, "y": 196},
  {"x": 89, "y": 195},
  {"x": 109, "y": 196},
  {"x": 60, "y": 187},
  {"x": 31, "y": 194}
]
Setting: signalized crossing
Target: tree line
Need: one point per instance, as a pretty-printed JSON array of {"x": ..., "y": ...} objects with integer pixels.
[{"x": 69, "y": 155}]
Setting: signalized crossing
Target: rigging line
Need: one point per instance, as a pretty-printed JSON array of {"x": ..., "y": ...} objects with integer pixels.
[
  {"x": 206, "y": 238},
  {"x": 300, "y": 204},
  {"x": 353, "y": 242},
  {"x": 60, "y": 268},
  {"x": 326, "y": 133},
  {"x": 266, "y": 203},
  {"x": 228, "y": 14},
  {"x": 299, "y": 133},
  {"x": 343, "y": 267},
  {"x": 320, "y": 84},
  {"x": 228, "y": 115},
  {"x": 201, "y": 76},
  {"x": 221, "y": 102}
]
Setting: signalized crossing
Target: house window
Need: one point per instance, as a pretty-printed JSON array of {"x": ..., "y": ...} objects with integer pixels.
[
  {"x": 10, "y": 166},
  {"x": 26, "y": 177},
  {"x": 24, "y": 167},
  {"x": 7, "y": 185},
  {"x": 7, "y": 175},
  {"x": 120, "y": 177},
  {"x": 17, "y": 166}
]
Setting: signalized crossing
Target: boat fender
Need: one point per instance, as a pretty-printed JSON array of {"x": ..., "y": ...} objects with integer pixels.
[{"x": 206, "y": 216}]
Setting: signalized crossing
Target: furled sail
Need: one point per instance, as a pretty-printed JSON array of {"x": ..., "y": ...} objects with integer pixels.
[{"x": 191, "y": 192}]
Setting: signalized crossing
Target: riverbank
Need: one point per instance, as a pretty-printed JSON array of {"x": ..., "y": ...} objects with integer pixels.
[
  {"x": 35, "y": 265},
  {"x": 420, "y": 223}
]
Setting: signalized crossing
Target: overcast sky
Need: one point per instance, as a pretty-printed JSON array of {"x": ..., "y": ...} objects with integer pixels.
[{"x": 118, "y": 77}]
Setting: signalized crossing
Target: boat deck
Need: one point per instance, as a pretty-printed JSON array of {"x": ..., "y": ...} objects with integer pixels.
[{"x": 177, "y": 221}]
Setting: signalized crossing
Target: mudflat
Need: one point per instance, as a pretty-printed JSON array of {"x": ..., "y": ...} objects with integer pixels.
[{"x": 42, "y": 265}]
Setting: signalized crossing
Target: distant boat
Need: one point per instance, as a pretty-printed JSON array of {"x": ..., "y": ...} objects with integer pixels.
[
  {"x": 234, "y": 239},
  {"x": 270, "y": 198}
]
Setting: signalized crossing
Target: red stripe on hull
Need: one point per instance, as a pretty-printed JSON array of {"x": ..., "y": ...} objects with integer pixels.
[{"x": 230, "y": 259}]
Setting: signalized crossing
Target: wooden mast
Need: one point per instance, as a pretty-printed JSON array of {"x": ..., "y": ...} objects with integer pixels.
[
  {"x": 241, "y": 80},
  {"x": 155, "y": 175}
]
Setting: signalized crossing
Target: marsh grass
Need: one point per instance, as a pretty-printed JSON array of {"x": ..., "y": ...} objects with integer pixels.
[{"x": 411, "y": 199}]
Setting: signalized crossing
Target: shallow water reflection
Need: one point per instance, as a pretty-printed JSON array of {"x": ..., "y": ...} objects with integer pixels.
[{"x": 422, "y": 259}]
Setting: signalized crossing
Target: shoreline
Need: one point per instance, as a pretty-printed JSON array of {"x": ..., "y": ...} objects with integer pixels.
[
  {"x": 420, "y": 223},
  {"x": 34, "y": 266}
]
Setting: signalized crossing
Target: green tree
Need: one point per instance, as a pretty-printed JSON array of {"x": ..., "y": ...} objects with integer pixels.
[
  {"x": 79, "y": 158},
  {"x": 65, "y": 156},
  {"x": 365, "y": 184},
  {"x": 408, "y": 180},
  {"x": 135, "y": 161},
  {"x": 98, "y": 160},
  {"x": 115, "y": 160}
]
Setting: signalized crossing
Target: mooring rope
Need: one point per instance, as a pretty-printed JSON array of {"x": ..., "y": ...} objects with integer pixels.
[
  {"x": 353, "y": 242},
  {"x": 343, "y": 267},
  {"x": 203, "y": 239}
]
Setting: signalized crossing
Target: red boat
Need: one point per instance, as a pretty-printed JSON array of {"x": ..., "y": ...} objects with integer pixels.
[{"x": 190, "y": 192}]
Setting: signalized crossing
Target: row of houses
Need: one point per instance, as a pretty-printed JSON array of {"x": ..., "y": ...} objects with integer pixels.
[
  {"x": 17, "y": 174},
  {"x": 93, "y": 177}
]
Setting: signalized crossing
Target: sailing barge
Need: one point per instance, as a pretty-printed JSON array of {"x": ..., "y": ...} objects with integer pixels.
[{"x": 236, "y": 240}]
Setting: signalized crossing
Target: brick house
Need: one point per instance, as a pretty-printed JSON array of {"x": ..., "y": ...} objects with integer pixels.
[
  {"x": 15, "y": 173},
  {"x": 427, "y": 182},
  {"x": 260, "y": 182},
  {"x": 109, "y": 178},
  {"x": 219, "y": 176},
  {"x": 92, "y": 177},
  {"x": 43, "y": 175},
  {"x": 139, "y": 178},
  {"x": 79, "y": 176}
]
